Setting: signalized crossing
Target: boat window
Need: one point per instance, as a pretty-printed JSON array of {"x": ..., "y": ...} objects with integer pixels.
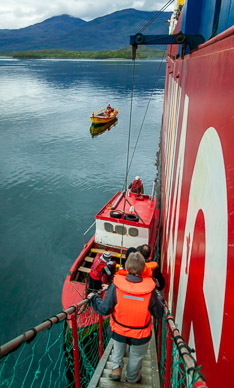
[
  {"x": 120, "y": 229},
  {"x": 108, "y": 227},
  {"x": 133, "y": 232}
]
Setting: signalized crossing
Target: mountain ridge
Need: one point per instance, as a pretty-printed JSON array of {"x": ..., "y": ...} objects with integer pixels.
[{"x": 108, "y": 32}]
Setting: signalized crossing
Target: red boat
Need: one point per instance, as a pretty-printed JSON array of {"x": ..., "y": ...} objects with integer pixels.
[{"x": 127, "y": 220}]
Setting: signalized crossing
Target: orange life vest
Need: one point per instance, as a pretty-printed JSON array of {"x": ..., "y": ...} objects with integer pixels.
[
  {"x": 148, "y": 271},
  {"x": 136, "y": 187},
  {"x": 149, "y": 268},
  {"x": 122, "y": 272},
  {"x": 131, "y": 317}
]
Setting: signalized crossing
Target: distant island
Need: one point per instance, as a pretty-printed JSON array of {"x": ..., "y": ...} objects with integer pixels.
[{"x": 125, "y": 53}]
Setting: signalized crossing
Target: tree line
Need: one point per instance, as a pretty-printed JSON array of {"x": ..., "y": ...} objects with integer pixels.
[{"x": 125, "y": 53}]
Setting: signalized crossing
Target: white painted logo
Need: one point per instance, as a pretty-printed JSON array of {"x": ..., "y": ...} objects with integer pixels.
[{"x": 208, "y": 193}]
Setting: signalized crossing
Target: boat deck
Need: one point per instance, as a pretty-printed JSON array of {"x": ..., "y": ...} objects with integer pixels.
[
  {"x": 76, "y": 282},
  {"x": 141, "y": 205}
]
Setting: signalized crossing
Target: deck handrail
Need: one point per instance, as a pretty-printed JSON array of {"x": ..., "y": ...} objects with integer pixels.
[
  {"x": 31, "y": 333},
  {"x": 184, "y": 351},
  {"x": 88, "y": 231}
]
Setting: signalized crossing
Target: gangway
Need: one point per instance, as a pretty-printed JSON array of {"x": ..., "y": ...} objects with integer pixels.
[{"x": 149, "y": 372}]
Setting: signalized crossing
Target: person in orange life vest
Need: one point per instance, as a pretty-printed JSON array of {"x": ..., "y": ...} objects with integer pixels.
[
  {"x": 101, "y": 271},
  {"x": 149, "y": 267},
  {"x": 136, "y": 186},
  {"x": 145, "y": 250},
  {"x": 108, "y": 109},
  {"x": 131, "y": 300}
]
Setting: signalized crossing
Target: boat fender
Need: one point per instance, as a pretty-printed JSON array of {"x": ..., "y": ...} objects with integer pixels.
[
  {"x": 131, "y": 217},
  {"x": 115, "y": 214}
]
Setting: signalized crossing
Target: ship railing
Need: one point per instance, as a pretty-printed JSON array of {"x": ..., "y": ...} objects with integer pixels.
[
  {"x": 177, "y": 365},
  {"x": 85, "y": 233},
  {"x": 62, "y": 351},
  {"x": 67, "y": 355}
]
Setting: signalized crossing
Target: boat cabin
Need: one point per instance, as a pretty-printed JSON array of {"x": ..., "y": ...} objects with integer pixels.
[{"x": 127, "y": 222}]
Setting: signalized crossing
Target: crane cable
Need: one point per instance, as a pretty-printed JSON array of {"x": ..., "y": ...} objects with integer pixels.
[
  {"x": 128, "y": 165},
  {"x": 127, "y": 161},
  {"x": 130, "y": 119},
  {"x": 156, "y": 78},
  {"x": 156, "y": 15},
  {"x": 150, "y": 98},
  {"x": 142, "y": 124}
]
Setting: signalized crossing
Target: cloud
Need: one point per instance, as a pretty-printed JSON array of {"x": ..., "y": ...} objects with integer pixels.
[{"x": 18, "y": 14}]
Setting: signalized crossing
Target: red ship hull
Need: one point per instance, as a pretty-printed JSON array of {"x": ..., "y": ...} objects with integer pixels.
[{"x": 198, "y": 202}]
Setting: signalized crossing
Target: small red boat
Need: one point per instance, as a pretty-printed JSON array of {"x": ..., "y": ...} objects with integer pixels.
[{"x": 127, "y": 220}]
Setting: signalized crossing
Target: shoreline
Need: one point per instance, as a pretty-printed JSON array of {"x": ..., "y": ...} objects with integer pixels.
[{"x": 126, "y": 53}]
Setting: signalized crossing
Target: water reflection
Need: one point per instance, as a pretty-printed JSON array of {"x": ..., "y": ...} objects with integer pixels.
[
  {"x": 78, "y": 74},
  {"x": 96, "y": 130},
  {"x": 49, "y": 188}
]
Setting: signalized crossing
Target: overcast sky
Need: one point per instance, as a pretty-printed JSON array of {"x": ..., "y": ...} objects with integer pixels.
[{"x": 22, "y": 13}]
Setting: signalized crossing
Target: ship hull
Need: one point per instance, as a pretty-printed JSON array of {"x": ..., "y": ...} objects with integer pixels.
[{"x": 198, "y": 202}]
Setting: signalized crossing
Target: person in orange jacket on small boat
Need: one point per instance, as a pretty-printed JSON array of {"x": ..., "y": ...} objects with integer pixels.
[
  {"x": 109, "y": 109},
  {"x": 131, "y": 300},
  {"x": 136, "y": 186}
]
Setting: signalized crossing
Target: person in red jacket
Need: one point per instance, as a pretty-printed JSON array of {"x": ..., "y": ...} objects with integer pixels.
[
  {"x": 136, "y": 186},
  {"x": 131, "y": 300},
  {"x": 102, "y": 271}
]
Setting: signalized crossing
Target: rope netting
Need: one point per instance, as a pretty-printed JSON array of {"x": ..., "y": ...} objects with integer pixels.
[
  {"x": 48, "y": 360},
  {"x": 177, "y": 366},
  {"x": 45, "y": 356},
  {"x": 179, "y": 378}
]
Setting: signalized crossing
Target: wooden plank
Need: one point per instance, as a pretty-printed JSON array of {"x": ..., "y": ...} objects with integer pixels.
[
  {"x": 89, "y": 259},
  {"x": 84, "y": 269},
  {"x": 114, "y": 254}
]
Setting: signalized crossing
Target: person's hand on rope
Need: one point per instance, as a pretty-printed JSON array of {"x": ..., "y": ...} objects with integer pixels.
[
  {"x": 104, "y": 287},
  {"x": 90, "y": 295}
]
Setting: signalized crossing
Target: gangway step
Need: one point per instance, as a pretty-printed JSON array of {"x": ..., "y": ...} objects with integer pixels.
[
  {"x": 146, "y": 363},
  {"x": 107, "y": 383},
  {"x": 149, "y": 372}
]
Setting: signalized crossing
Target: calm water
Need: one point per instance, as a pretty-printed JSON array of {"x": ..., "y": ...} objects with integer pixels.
[{"x": 54, "y": 176}]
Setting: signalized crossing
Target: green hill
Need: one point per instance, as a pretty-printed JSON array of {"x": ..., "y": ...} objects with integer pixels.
[{"x": 64, "y": 32}]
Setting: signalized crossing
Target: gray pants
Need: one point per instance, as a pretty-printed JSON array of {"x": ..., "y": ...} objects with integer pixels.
[{"x": 136, "y": 355}]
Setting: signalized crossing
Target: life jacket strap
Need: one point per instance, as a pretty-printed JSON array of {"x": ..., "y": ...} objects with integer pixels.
[{"x": 131, "y": 327}]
